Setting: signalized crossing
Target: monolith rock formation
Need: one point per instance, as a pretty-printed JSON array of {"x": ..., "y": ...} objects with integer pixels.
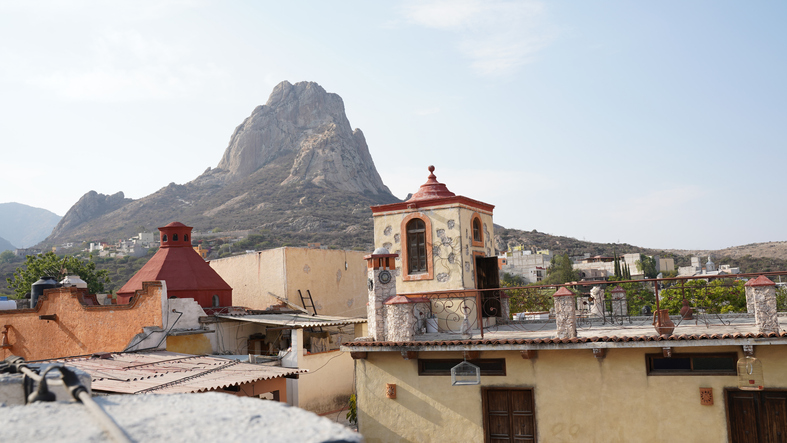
[{"x": 294, "y": 170}]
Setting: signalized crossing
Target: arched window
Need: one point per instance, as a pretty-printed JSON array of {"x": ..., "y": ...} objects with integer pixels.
[
  {"x": 416, "y": 246},
  {"x": 185, "y": 237},
  {"x": 164, "y": 237},
  {"x": 477, "y": 229},
  {"x": 215, "y": 301},
  {"x": 174, "y": 237}
]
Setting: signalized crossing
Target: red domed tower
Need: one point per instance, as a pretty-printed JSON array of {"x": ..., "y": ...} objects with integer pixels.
[{"x": 186, "y": 273}]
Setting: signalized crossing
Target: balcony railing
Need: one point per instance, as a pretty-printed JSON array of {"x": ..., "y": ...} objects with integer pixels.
[{"x": 712, "y": 298}]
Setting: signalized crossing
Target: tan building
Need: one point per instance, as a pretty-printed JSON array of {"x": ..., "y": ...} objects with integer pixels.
[
  {"x": 441, "y": 238},
  {"x": 298, "y": 341},
  {"x": 561, "y": 380},
  {"x": 334, "y": 278},
  {"x": 601, "y": 383},
  {"x": 442, "y": 241}
]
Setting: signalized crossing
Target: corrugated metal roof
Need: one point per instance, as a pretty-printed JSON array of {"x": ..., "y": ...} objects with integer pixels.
[
  {"x": 295, "y": 320},
  {"x": 163, "y": 372}
]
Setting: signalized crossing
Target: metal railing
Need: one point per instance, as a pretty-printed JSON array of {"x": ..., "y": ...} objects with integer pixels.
[{"x": 707, "y": 295}]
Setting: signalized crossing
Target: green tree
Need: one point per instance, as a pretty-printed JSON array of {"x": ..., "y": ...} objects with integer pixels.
[
  {"x": 36, "y": 266},
  {"x": 560, "y": 271},
  {"x": 512, "y": 280},
  {"x": 647, "y": 265},
  {"x": 7, "y": 257},
  {"x": 718, "y": 296}
]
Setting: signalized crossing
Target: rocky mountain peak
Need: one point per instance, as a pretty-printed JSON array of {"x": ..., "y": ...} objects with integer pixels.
[
  {"x": 91, "y": 206},
  {"x": 293, "y": 169},
  {"x": 305, "y": 121}
]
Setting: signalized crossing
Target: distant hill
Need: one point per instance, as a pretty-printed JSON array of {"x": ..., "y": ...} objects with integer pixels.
[
  {"x": 25, "y": 226},
  {"x": 757, "y": 257},
  {"x": 294, "y": 170},
  {"x": 508, "y": 239},
  {"x": 773, "y": 249},
  {"x": 6, "y": 245}
]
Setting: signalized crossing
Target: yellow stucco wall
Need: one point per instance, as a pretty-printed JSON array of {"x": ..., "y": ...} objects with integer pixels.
[
  {"x": 578, "y": 398},
  {"x": 195, "y": 344},
  {"x": 328, "y": 384},
  {"x": 488, "y": 249},
  {"x": 336, "y": 289},
  {"x": 251, "y": 276},
  {"x": 453, "y": 262}
]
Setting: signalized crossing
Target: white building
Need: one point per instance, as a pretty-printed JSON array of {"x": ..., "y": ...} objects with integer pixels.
[{"x": 531, "y": 267}]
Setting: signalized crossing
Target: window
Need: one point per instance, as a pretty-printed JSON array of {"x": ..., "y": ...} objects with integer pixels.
[
  {"x": 489, "y": 366},
  {"x": 416, "y": 229},
  {"x": 216, "y": 301},
  {"x": 185, "y": 237},
  {"x": 174, "y": 237},
  {"x": 478, "y": 230},
  {"x": 416, "y": 246},
  {"x": 164, "y": 237},
  {"x": 509, "y": 415},
  {"x": 692, "y": 364}
]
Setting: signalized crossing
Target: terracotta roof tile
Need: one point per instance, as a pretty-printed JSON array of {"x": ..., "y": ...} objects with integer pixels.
[
  {"x": 760, "y": 281},
  {"x": 536, "y": 341}
]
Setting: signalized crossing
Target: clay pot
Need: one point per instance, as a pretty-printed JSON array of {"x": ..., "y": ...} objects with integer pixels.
[
  {"x": 662, "y": 322},
  {"x": 686, "y": 312}
]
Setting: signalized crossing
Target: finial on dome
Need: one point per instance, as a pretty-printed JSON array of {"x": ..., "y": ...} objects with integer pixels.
[{"x": 431, "y": 189}]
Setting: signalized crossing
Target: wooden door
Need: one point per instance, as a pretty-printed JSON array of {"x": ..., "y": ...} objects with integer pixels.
[
  {"x": 757, "y": 416},
  {"x": 773, "y": 416},
  {"x": 509, "y": 415}
]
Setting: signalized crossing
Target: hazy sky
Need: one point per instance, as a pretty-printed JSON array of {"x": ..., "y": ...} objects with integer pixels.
[{"x": 661, "y": 124}]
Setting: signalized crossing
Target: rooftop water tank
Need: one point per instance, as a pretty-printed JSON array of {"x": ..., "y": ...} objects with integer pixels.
[
  {"x": 6, "y": 304},
  {"x": 45, "y": 282},
  {"x": 72, "y": 281}
]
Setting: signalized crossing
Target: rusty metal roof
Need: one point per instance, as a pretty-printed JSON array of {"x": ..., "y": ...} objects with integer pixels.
[
  {"x": 163, "y": 372},
  {"x": 295, "y": 320}
]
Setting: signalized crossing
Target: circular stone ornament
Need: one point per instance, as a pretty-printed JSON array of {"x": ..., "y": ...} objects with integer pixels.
[{"x": 384, "y": 277}]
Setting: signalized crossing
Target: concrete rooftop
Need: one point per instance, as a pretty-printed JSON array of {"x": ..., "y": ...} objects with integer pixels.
[
  {"x": 209, "y": 417},
  {"x": 710, "y": 329}
]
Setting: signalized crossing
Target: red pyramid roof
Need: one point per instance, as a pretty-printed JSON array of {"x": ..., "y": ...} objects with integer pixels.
[
  {"x": 562, "y": 292},
  {"x": 430, "y": 194},
  {"x": 760, "y": 281},
  {"x": 183, "y": 270},
  {"x": 432, "y": 189},
  {"x": 175, "y": 225}
]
